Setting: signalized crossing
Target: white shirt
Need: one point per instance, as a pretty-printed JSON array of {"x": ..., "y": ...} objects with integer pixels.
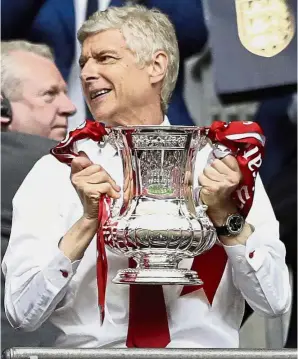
[{"x": 46, "y": 206}]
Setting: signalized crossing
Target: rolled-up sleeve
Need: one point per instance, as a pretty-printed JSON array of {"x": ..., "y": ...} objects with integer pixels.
[
  {"x": 259, "y": 268},
  {"x": 37, "y": 274}
]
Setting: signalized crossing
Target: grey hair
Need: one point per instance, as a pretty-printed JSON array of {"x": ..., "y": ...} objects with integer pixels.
[
  {"x": 10, "y": 73},
  {"x": 146, "y": 31}
]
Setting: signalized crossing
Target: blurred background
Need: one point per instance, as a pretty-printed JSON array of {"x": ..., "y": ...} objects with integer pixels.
[{"x": 238, "y": 62}]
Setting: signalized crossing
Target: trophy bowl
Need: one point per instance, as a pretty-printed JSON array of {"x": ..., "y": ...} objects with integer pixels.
[{"x": 157, "y": 221}]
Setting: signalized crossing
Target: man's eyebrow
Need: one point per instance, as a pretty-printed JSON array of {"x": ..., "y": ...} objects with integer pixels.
[
  {"x": 97, "y": 53},
  {"x": 105, "y": 51},
  {"x": 53, "y": 88}
]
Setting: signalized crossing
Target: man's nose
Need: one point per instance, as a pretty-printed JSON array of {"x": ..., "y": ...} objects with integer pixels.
[
  {"x": 66, "y": 107},
  {"x": 89, "y": 72}
]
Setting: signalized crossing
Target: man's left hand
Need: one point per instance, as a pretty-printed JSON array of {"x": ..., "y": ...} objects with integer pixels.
[{"x": 219, "y": 180}]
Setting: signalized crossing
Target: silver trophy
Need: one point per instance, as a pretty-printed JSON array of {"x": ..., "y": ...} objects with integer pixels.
[{"x": 158, "y": 221}]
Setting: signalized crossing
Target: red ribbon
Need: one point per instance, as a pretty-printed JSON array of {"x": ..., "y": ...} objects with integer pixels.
[
  {"x": 65, "y": 150},
  {"x": 244, "y": 139},
  {"x": 102, "y": 262}
]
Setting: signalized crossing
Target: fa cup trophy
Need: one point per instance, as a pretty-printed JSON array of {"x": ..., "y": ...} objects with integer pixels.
[{"x": 158, "y": 221}]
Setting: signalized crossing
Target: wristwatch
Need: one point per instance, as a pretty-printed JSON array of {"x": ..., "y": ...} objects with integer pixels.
[{"x": 233, "y": 226}]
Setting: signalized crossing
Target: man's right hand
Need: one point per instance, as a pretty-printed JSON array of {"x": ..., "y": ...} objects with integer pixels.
[{"x": 91, "y": 181}]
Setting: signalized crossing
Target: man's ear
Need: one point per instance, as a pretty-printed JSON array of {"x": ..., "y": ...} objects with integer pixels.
[
  {"x": 158, "y": 67},
  {"x": 5, "y": 121},
  {"x": 6, "y": 111}
]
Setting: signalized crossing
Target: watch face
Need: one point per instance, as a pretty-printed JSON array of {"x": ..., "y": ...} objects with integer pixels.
[{"x": 235, "y": 223}]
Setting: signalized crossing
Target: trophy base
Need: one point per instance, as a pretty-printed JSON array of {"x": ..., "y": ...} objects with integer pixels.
[{"x": 157, "y": 276}]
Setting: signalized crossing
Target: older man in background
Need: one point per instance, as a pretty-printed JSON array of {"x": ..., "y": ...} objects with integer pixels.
[
  {"x": 34, "y": 115},
  {"x": 36, "y": 90}
]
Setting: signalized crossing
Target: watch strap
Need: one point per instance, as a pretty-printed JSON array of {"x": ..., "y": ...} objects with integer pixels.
[{"x": 223, "y": 231}]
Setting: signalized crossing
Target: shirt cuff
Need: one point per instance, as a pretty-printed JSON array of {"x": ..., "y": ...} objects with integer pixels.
[
  {"x": 60, "y": 269},
  {"x": 249, "y": 256}
]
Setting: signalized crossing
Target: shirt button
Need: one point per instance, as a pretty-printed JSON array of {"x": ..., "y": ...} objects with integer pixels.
[
  {"x": 64, "y": 273},
  {"x": 251, "y": 254}
]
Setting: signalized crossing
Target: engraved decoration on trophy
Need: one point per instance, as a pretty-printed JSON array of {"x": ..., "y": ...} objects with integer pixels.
[
  {"x": 265, "y": 27},
  {"x": 156, "y": 221}
]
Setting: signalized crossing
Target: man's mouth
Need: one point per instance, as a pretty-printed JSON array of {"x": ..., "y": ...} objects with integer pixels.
[{"x": 99, "y": 93}]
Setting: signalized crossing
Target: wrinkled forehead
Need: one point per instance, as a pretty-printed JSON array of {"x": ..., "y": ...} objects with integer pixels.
[
  {"x": 37, "y": 71},
  {"x": 32, "y": 64},
  {"x": 111, "y": 39}
]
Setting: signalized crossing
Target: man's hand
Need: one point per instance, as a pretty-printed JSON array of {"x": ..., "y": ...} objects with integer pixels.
[
  {"x": 91, "y": 181},
  {"x": 218, "y": 181}
]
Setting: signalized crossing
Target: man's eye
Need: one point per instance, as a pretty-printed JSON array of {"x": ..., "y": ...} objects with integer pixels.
[
  {"x": 49, "y": 96},
  {"x": 51, "y": 93},
  {"x": 107, "y": 58}
]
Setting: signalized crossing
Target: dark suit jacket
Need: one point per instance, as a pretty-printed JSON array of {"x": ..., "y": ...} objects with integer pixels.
[
  {"x": 281, "y": 135},
  {"x": 19, "y": 152},
  {"x": 53, "y": 22},
  {"x": 279, "y": 174}
]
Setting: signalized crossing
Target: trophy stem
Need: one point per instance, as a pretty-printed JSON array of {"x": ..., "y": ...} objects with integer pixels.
[{"x": 156, "y": 269}]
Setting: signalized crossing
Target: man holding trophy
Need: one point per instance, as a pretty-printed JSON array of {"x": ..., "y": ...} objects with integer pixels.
[{"x": 139, "y": 188}]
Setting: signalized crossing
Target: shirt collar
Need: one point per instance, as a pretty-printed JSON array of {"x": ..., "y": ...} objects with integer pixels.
[{"x": 165, "y": 122}]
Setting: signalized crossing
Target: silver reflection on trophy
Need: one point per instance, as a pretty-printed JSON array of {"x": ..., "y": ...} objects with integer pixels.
[{"x": 156, "y": 221}]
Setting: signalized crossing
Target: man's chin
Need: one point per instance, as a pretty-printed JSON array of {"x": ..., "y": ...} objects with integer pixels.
[
  {"x": 105, "y": 117},
  {"x": 58, "y": 133}
]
